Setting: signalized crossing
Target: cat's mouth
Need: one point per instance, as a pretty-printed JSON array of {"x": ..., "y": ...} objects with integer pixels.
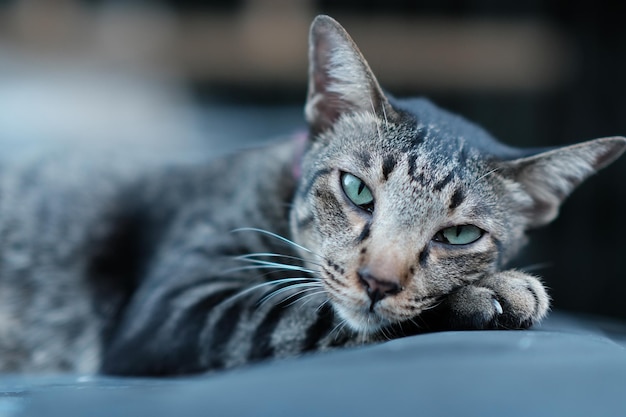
[
  {"x": 368, "y": 305},
  {"x": 363, "y": 319},
  {"x": 366, "y": 316}
]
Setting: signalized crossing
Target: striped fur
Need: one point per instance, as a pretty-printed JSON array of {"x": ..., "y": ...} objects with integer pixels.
[{"x": 262, "y": 254}]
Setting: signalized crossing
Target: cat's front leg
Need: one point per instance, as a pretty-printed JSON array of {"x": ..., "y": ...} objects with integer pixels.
[{"x": 503, "y": 300}]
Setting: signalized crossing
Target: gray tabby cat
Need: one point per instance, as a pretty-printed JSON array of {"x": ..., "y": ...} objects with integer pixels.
[{"x": 393, "y": 217}]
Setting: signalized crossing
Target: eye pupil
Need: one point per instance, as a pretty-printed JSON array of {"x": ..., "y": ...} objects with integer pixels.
[{"x": 361, "y": 187}]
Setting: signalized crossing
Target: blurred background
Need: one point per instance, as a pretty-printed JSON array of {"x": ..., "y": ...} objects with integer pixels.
[{"x": 220, "y": 74}]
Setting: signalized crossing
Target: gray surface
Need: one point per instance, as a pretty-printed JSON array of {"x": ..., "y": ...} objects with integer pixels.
[{"x": 568, "y": 367}]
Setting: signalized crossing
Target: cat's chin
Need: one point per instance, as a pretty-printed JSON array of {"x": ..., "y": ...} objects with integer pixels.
[{"x": 362, "y": 321}]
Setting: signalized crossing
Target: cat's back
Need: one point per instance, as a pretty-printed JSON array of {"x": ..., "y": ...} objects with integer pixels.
[
  {"x": 46, "y": 208},
  {"x": 78, "y": 225},
  {"x": 57, "y": 206}
]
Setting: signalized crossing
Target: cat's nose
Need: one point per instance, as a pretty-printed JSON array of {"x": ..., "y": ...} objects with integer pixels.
[{"x": 378, "y": 288}]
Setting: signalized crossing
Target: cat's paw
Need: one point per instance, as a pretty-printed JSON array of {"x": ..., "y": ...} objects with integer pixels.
[{"x": 504, "y": 300}]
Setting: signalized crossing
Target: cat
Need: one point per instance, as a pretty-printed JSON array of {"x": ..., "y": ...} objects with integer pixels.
[{"x": 390, "y": 217}]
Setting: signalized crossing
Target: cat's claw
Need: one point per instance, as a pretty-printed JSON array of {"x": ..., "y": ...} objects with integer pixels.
[{"x": 497, "y": 306}]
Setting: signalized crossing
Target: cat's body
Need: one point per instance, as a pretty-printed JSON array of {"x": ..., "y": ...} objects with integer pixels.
[{"x": 403, "y": 218}]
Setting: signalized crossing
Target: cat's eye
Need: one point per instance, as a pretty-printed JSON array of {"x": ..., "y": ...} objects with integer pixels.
[
  {"x": 459, "y": 235},
  {"x": 356, "y": 190}
]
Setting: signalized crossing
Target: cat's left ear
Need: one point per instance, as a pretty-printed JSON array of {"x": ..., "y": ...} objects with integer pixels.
[
  {"x": 340, "y": 80},
  {"x": 549, "y": 177}
]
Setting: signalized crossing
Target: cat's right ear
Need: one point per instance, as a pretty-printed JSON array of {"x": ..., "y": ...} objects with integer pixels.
[
  {"x": 549, "y": 177},
  {"x": 340, "y": 80}
]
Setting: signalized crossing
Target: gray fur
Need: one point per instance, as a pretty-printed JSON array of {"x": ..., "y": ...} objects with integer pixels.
[{"x": 152, "y": 270}]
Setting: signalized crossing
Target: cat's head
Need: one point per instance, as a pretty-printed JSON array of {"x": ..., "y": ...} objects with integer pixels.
[{"x": 402, "y": 202}]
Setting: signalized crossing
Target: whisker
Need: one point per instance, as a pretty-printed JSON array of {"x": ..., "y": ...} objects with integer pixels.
[
  {"x": 536, "y": 267},
  {"x": 257, "y": 277},
  {"x": 434, "y": 305},
  {"x": 274, "y": 235},
  {"x": 414, "y": 323},
  {"x": 308, "y": 297},
  {"x": 326, "y": 301},
  {"x": 275, "y": 268},
  {"x": 251, "y": 256},
  {"x": 380, "y": 135},
  {"x": 260, "y": 263},
  {"x": 266, "y": 284},
  {"x": 362, "y": 335},
  {"x": 382, "y": 331},
  {"x": 382, "y": 105},
  {"x": 273, "y": 294},
  {"x": 295, "y": 294},
  {"x": 272, "y": 269},
  {"x": 338, "y": 329},
  {"x": 485, "y": 175},
  {"x": 303, "y": 297}
]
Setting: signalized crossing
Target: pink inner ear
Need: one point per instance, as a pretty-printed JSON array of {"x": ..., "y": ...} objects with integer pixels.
[{"x": 300, "y": 139}]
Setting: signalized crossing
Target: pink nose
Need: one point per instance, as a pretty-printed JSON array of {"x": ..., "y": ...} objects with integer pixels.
[{"x": 377, "y": 288}]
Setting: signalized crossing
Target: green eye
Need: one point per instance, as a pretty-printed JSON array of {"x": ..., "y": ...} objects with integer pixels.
[
  {"x": 459, "y": 235},
  {"x": 357, "y": 192}
]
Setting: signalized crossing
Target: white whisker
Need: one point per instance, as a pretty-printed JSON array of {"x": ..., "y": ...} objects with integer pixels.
[
  {"x": 364, "y": 334},
  {"x": 485, "y": 175},
  {"x": 251, "y": 257},
  {"x": 412, "y": 320},
  {"x": 382, "y": 331},
  {"x": 536, "y": 267},
  {"x": 382, "y": 105},
  {"x": 249, "y": 267},
  {"x": 326, "y": 301},
  {"x": 266, "y": 284},
  {"x": 380, "y": 135},
  {"x": 306, "y": 290},
  {"x": 288, "y": 288},
  {"x": 434, "y": 305},
  {"x": 268, "y": 264},
  {"x": 338, "y": 329},
  {"x": 273, "y": 269},
  {"x": 274, "y": 235},
  {"x": 308, "y": 297}
]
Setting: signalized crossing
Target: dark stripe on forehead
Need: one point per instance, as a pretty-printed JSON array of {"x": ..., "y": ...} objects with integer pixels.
[
  {"x": 412, "y": 172},
  {"x": 389, "y": 163},
  {"x": 456, "y": 199},
  {"x": 365, "y": 158},
  {"x": 307, "y": 189},
  {"x": 412, "y": 159},
  {"x": 439, "y": 186}
]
